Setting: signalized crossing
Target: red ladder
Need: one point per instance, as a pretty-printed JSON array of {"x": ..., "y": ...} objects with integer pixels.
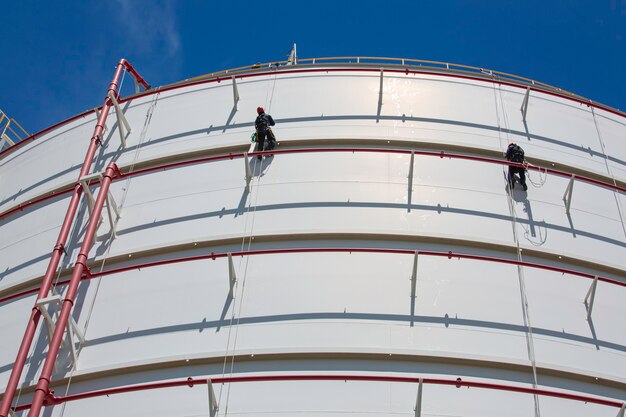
[{"x": 59, "y": 248}]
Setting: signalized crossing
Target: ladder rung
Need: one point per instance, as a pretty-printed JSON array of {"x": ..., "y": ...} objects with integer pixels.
[
  {"x": 88, "y": 178},
  {"x": 48, "y": 300}
]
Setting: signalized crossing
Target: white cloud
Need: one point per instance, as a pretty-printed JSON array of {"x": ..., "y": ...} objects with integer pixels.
[{"x": 150, "y": 27}]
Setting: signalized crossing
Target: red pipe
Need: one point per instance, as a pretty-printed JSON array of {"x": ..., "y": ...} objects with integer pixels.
[
  {"x": 59, "y": 248},
  {"x": 214, "y": 256},
  {"x": 135, "y": 74},
  {"x": 79, "y": 268},
  {"x": 448, "y": 255},
  {"x": 458, "y": 382}
]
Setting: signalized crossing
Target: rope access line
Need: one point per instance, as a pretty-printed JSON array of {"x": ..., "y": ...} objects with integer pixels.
[
  {"x": 257, "y": 166},
  {"x": 520, "y": 270},
  {"x": 608, "y": 168},
  {"x": 112, "y": 231}
]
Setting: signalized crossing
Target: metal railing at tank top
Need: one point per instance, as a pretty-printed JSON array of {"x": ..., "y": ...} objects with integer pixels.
[
  {"x": 385, "y": 62},
  {"x": 399, "y": 65},
  {"x": 441, "y": 154},
  {"x": 53, "y": 400},
  {"x": 11, "y": 132}
]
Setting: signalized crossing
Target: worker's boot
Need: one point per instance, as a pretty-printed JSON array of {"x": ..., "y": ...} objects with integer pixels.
[{"x": 270, "y": 146}]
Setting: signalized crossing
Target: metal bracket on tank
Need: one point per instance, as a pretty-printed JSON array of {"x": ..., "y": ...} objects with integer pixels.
[
  {"x": 567, "y": 197},
  {"x": 232, "y": 277},
  {"x": 246, "y": 160},
  {"x": 621, "y": 411},
  {"x": 235, "y": 94},
  {"x": 293, "y": 56},
  {"x": 112, "y": 206},
  {"x": 72, "y": 327},
  {"x": 84, "y": 182},
  {"x": 380, "y": 96},
  {"x": 380, "y": 88},
  {"x": 524, "y": 107},
  {"x": 213, "y": 405},
  {"x": 122, "y": 122},
  {"x": 105, "y": 127},
  {"x": 418, "y": 400},
  {"x": 414, "y": 275},
  {"x": 410, "y": 191},
  {"x": 590, "y": 297}
]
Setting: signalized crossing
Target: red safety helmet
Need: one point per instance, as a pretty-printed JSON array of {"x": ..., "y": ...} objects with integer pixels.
[{"x": 260, "y": 110}]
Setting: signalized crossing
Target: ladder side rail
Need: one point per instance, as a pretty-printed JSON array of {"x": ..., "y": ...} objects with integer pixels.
[
  {"x": 59, "y": 247},
  {"x": 80, "y": 267}
]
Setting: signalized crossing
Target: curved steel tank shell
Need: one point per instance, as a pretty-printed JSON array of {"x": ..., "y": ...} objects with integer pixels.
[{"x": 333, "y": 311}]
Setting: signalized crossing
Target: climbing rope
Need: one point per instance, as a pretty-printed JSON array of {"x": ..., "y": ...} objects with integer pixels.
[
  {"x": 543, "y": 176},
  {"x": 520, "y": 270},
  {"x": 110, "y": 241},
  {"x": 235, "y": 318},
  {"x": 119, "y": 89},
  {"x": 126, "y": 189},
  {"x": 246, "y": 244},
  {"x": 84, "y": 330},
  {"x": 528, "y": 236},
  {"x": 244, "y": 263},
  {"x": 269, "y": 105},
  {"x": 608, "y": 167}
]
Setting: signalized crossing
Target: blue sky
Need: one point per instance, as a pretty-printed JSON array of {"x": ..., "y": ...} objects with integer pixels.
[{"x": 58, "y": 56}]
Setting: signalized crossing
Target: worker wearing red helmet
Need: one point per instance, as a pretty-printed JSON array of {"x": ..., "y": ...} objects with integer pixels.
[{"x": 262, "y": 124}]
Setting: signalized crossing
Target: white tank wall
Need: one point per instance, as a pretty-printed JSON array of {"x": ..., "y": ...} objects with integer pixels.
[
  {"x": 435, "y": 109},
  {"x": 289, "y": 304},
  {"x": 451, "y": 198}
]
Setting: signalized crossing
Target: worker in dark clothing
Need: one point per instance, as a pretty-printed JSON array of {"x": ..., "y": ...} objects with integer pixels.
[
  {"x": 514, "y": 153},
  {"x": 262, "y": 124}
]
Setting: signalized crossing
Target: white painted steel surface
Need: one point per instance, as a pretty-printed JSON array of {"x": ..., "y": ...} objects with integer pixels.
[{"x": 333, "y": 312}]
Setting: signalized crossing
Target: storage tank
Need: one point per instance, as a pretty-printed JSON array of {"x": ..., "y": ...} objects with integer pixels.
[{"x": 375, "y": 263}]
